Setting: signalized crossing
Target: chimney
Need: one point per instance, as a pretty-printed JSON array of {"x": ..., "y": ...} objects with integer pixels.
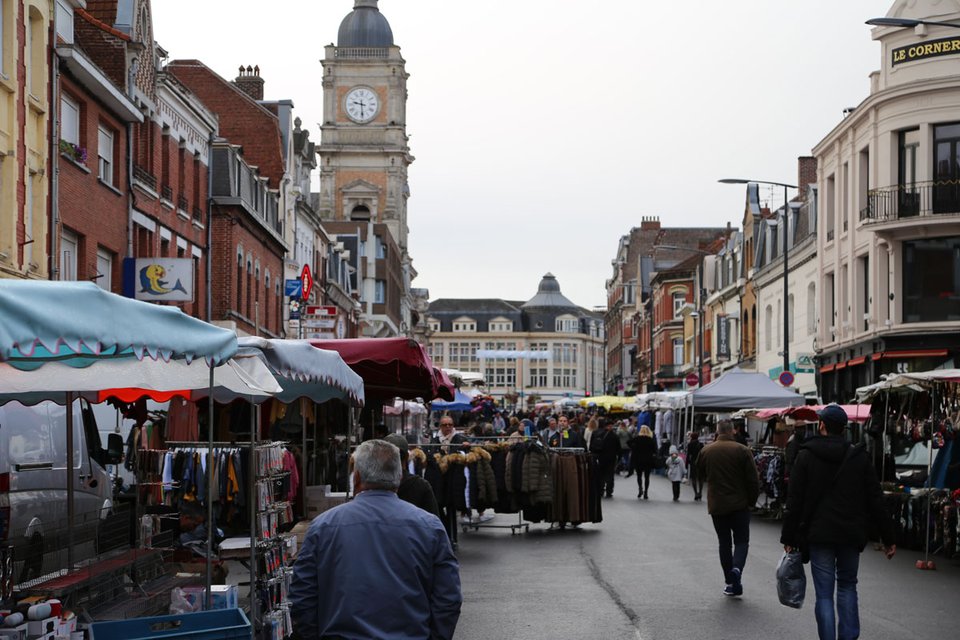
[
  {"x": 807, "y": 167},
  {"x": 649, "y": 223},
  {"x": 250, "y": 82}
]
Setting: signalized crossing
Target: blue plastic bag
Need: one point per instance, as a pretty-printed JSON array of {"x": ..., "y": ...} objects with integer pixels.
[{"x": 791, "y": 580}]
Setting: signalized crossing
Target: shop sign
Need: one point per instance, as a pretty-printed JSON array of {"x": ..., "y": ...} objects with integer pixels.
[
  {"x": 723, "y": 337},
  {"x": 804, "y": 363},
  {"x": 922, "y": 51},
  {"x": 160, "y": 278}
]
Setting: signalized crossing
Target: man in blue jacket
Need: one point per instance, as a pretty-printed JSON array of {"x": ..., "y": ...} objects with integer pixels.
[{"x": 376, "y": 567}]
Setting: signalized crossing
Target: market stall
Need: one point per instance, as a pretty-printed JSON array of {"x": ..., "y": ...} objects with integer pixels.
[{"x": 914, "y": 414}]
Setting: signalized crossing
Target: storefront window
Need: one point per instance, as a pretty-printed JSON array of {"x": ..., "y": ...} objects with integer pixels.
[{"x": 931, "y": 280}]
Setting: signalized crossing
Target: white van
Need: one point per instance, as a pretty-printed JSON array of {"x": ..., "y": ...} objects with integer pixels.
[{"x": 33, "y": 484}]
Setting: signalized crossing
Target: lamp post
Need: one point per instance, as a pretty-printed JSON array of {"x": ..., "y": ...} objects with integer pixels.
[
  {"x": 908, "y": 22},
  {"x": 786, "y": 268}
]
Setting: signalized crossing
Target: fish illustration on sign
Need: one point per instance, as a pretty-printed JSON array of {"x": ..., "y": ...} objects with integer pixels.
[{"x": 151, "y": 281}]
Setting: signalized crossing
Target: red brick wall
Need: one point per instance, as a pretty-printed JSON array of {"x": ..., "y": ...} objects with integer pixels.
[
  {"x": 242, "y": 120},
  {"x": 233, "y": 293},
  {"x": 90, "y": 208}
]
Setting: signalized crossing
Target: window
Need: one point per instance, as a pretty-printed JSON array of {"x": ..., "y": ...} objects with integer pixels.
[
  {"x": 68, "y": 255},
  {"x": 434, "y": 325},
  {"x": 500, "y": 325},
  {"x": 863, "y": 286},
  {"x": 829, "y": 308},
  {"x": 768, "y": 328},
  {"x": 677, "y": 344},
  {"x": 464, "y": 325},
  {"x": 105, "y": 154},
  {"x": 380, "y": 292},
  {"x": 908, "y": 195},
  {"x": 69, "y": 120},
  {"x": 64, "y": 22},
  {"x": 36, "y": 55},
  {"x": 830, "y": 198},
  {"x": 931, "y": 280},
  {"x": 567, "y": 324},
  {"x": 104, "y": 275},
  {"x": 381, "y": 248},
  {"x": 946, "y": 168},
  {"x": 679, "y": 300},
  {"x": 811, "y": 308}
]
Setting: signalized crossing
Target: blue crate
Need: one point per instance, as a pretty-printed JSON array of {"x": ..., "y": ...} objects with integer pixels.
[{"x": 220, "y": 624}]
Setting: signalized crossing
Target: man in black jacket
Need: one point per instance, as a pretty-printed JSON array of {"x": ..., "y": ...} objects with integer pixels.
[
  {"x": 606, "y": 446},
  {"x": 833, "y": 497}
]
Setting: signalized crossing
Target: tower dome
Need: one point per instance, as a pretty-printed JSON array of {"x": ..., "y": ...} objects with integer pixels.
[
  {"x": 549, "y": 296},
  {"x": 365, "y": 26}
]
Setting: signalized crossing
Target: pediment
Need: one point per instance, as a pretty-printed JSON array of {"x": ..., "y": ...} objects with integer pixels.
[{"x": 360, "y": 188}]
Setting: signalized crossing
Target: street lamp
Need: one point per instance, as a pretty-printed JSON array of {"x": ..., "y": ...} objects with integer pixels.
[
  {"x": 786, "y": 269},
  {"x": 908, "y": 22}
]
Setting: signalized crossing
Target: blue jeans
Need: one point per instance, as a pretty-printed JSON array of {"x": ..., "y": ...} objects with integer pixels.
[
  {"x": 835, "y": 566},
  {"x": 733, "y": 534}
]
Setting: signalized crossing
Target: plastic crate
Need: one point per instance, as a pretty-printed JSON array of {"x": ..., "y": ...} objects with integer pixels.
[{"x": 221, "y": 624}]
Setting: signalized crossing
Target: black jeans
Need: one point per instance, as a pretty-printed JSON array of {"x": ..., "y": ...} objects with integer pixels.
[
  {"x": 696, "y": 480},
  {"x": 733, "y": 534},
  {"x": 607, "y": 472},
  {"x": 676, "y": 489},
  {"x": 643, "y": 479}
]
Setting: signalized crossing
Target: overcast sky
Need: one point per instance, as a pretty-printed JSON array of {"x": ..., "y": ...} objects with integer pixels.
[{"x": 543, "y": 130}]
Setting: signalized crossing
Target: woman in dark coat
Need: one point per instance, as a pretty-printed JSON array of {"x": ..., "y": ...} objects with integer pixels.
[{"x": 643, "y": 458}]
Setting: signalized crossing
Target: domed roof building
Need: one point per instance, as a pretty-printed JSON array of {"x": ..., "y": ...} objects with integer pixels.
[
  {"x": 547, "y": 347},
  {"x": 365, "y": 27}
]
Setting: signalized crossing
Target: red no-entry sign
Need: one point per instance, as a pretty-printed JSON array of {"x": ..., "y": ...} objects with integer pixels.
[
  {"x": 692, "y": 380},
  {"x": 307, "y": 279}
]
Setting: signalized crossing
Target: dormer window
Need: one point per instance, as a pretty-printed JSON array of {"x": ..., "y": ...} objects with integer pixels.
[
  {"x": 567, "y": 324},
  {"x": 464, "y": 325},
  {"x": 501, "y": 325}
]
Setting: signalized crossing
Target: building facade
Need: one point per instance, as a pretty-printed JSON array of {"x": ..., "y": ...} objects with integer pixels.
[
  {"x": 364, "y": 148},
  {"x": 889, "y": 212},
  {"x": 546, "y": 348},
  {"x": 723, "y": 277},
  {"x": 25, "y": 31}
]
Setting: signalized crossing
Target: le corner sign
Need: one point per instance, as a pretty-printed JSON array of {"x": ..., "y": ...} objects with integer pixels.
[{"x": 924, "y": 50}]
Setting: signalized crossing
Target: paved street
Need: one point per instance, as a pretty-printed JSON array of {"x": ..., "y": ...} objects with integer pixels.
[{"x": 650, "y": 572}]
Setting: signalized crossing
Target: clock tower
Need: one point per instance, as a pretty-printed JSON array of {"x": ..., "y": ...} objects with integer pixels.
[{"x": 364, "y": 154}]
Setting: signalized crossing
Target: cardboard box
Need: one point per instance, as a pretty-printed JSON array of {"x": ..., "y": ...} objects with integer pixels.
[
  {"x": 43, "y": 627},
  {"x": 14, "y": 633},
  {"x": 67, "y": 627},
  {"x": 224, "y": 596}
]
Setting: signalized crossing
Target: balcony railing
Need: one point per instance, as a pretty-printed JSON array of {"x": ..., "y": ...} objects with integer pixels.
[
  {"x": 670, "y": 371},
  {"x": 182, "y": 203},
  {"x": 362, "y": 53},
  {"x": 142, "y": 175},
  {"x": 166, "y": 192},
  {"x": 197, "y": 214},
  {"x": 920, "y": 199}
]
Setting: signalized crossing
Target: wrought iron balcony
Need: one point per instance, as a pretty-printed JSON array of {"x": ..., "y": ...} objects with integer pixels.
[
  {"x": 182, "y": 203},
  {"x": 142, "y": 175},
  {"x": 670, "y": 371},
  {"x": 917, "y": 200},
  {"x": 166, "y": 192},
  {"x": 197, "y": 214}
]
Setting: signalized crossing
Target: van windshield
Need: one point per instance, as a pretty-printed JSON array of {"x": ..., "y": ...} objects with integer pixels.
[{"x": 37, "y": 434}]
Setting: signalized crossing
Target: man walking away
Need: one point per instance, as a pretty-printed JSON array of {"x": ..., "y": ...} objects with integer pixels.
[
  {"x": 833, "y": 498},
  {"x": 694, "y": 447},
  {"x": 408, "y": 587},
  {"x": 606, "y": 446},
  {"x": 733, "y": 485}
]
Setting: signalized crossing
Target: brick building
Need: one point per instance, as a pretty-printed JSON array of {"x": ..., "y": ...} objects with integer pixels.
[
  {"x": 95, "y": 117},
  {"x": 248, "y": 248}
]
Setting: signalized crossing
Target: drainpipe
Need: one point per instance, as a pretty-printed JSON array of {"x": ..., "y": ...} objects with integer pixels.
[
  {"x": 208, "y": 267},
  {"x": 54, "y": 232},
  {"x": 131, "y": 74}
]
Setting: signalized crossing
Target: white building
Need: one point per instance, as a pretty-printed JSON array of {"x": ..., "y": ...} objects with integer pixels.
[{"x": 889, "y": 209}]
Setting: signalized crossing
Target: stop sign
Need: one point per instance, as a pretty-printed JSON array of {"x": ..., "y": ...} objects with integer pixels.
[{"x": 692, "y": 380}]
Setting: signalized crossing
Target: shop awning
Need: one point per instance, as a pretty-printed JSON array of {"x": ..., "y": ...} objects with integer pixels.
[
  {"x": 391, "y": 368},
  {"x": 304, "y": 371},
  {"x": 737, "y": 389}
]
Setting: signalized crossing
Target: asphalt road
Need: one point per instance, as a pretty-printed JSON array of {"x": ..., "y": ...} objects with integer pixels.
[{"x": 650, "y": 571}]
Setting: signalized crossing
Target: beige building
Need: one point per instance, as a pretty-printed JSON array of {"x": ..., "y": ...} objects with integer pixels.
[
  {"x": 889, "y": 211},
  {"x": 24, "y": 141},
  {"x": 546, "y": 348}
]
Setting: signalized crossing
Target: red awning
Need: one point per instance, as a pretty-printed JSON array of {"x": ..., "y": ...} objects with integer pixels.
[
  {"x": 392, "y": 368},
  {"x": 856, "y": 361},
  {"x": 828, "y": 368},
  {"x": 911, "y": 353}
]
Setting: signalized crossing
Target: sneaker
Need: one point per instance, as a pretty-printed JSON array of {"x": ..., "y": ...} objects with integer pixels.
[
  {"x": 486, "y": 517},
  {"x": 733, "y": 591},
  {"x": 735, "y": 578},
  {"x": 466, "y": 520}
]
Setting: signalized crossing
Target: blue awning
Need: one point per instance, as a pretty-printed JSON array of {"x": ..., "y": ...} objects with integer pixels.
[{"x": 79, "y": 323}]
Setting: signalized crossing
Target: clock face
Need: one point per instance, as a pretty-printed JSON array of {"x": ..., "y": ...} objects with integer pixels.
[{"x": 361, "y": 104}]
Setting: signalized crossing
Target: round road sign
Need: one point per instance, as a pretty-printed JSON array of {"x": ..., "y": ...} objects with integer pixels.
[
  {"x": 786, "y": 378},
  {"x": 692, "y": 380}
]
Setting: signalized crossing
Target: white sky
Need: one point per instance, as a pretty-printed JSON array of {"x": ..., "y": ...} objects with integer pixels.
[{"x": 543, "y": 130}]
